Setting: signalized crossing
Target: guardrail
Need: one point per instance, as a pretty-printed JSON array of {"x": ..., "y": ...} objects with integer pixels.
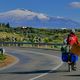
[
  {"x": 30, "y": 43},
  {"x": 26, "y": 44}
]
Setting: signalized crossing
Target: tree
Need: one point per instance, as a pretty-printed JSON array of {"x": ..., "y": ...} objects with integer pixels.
[
  {"x": 7, "y": 25},
  {"x": 46, "y": 40}
]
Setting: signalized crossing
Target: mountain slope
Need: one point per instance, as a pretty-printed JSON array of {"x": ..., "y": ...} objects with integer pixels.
[{"x": 21, "y": 17}]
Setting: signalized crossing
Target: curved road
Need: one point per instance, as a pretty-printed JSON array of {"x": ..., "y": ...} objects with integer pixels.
[{"x": 37, "y": 64}]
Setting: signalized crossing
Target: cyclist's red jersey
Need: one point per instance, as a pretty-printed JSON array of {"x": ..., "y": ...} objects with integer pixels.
[{"x": 72, "y": 38}]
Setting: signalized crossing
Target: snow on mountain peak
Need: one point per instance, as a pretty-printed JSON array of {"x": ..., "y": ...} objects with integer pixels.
[
  {"x": 42, "y": 16},
  {"x": 60, "y": 17},
  {"x": 26, "y": 13}
]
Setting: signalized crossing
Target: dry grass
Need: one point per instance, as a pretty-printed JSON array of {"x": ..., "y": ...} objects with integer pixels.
[{"x": 9, "y": 59}]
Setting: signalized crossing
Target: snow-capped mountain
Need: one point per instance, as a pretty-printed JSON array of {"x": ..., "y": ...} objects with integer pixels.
[{"x": 22, "y": 17}]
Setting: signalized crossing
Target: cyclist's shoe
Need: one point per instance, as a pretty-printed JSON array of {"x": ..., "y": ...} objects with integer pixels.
[{"x": 74, "y": 68}]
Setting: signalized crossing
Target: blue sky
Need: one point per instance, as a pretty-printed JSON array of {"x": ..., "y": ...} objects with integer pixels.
[{"x": 63, "y": 8}]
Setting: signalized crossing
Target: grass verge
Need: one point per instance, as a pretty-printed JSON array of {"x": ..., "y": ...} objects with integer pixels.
[{"x": 6, "y": 60}]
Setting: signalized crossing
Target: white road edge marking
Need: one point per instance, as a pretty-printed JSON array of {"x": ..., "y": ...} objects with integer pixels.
[{"x": 55, "y": 68}]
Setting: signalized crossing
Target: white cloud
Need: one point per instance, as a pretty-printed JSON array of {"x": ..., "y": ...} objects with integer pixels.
[{"x": 75, "y": 4}]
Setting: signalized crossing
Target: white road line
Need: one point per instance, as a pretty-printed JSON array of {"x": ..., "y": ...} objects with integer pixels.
[
  {"x": 51, "y": 69},
  {"x": 46, "y": 73}
]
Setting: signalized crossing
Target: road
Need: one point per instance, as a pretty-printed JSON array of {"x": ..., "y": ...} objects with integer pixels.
[{"x": 38, "y": 64}]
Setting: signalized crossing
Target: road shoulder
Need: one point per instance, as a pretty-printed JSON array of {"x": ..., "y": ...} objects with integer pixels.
[{"x": 8, "y": 62}]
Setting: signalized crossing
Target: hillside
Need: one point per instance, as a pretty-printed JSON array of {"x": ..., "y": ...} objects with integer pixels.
[{"x": 29, "y": 34}]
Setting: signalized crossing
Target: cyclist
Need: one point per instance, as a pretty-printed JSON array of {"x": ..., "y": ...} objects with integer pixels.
[{"x": 72, "y": 39}]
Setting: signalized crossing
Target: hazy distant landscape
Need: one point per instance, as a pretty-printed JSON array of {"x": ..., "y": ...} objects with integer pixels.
[
  {"x": 24, "y": 17},
  {"x": 22, "y": 25}
]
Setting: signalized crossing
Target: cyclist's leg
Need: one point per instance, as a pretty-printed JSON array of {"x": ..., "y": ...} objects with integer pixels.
[{"x": 73, "y": 66}]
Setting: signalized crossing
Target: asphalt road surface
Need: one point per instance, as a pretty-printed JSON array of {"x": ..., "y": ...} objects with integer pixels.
[{"x": 38, "y": 64}]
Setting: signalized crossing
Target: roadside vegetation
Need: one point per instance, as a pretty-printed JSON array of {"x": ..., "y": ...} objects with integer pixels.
[
  {"x": 33, "y": 35},
  {"x": 2, "y": 57}
]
